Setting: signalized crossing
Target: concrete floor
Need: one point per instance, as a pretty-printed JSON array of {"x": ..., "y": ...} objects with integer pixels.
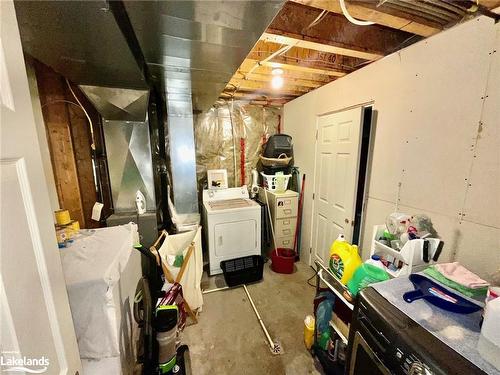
[{"x": 228, "y": 338}]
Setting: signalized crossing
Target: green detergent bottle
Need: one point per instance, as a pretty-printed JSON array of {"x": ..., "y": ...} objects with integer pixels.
[{"x": 365, "y": 275}]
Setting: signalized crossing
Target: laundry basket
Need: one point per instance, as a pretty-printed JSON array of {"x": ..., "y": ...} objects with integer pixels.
[
  {"x": 277, "y": 183},
  {"x": 242, "y": 270}
]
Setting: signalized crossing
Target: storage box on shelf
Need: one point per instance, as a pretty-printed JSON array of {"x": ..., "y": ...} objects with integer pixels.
[{"x": 410, "y": 254}]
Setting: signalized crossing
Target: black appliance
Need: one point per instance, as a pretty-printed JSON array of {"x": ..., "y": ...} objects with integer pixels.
[
  {"x": 383, "y": 340},
  {"x": 278, "y": 144}
]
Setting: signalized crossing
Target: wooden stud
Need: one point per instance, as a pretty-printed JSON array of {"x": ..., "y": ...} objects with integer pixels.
[
  {"x": 322, "y": 45},
  {"x": 56, "y": 117}
]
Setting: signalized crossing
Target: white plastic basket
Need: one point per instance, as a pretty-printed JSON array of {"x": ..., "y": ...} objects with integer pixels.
[{"x": 276, "y": 183}]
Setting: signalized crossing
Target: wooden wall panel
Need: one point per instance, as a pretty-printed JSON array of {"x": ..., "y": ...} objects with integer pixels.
[
  {"x": 56, "y": 116},
  {"x": 82, "y": 140},
  {"x": 70, "y": 141}
]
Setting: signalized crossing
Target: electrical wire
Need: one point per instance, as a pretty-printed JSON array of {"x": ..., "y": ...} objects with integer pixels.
[
  {"x": 286, "y": 48},
  {"x": 317, "y": 20},
  {"x": 59, "y": 101},
  {"x": 351, "y": 18},
  {"x": 313, "y": 276},
  {"x": 86, "y": 114}
]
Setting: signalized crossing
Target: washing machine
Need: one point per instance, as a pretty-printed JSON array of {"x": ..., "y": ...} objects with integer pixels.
[{"x": 232, "y": 225}]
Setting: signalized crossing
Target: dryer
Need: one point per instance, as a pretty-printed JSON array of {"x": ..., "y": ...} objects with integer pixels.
[{"x": 232, "y": 225}]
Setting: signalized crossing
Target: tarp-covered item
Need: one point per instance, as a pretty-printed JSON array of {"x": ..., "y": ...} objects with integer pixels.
[
  {"x": 101, "y": 270},
  {"x": 231, "y": 135},
  {"x": 176, "y": 245}
]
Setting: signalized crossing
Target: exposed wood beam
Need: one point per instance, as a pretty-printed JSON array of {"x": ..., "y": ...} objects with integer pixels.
[
  {"x": 320, "y": 77},
  {"x": 265, "y": 86},
  {"x": 335, "y": 32},
  {"x": 336, "y": 65},
  {"x": 322, "y": 64},
  {"x": 267, "y": 78},
  {"x": 299, "y": 68},
  {"x": 365, "y": 12},
  {"x": 322, "y": 45},
  {"x": 253, "y": 96},
  {"x": 264, "y": 91}
]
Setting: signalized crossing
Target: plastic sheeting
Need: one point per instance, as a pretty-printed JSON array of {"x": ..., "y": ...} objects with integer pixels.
[{"x": 231, "y": 132}]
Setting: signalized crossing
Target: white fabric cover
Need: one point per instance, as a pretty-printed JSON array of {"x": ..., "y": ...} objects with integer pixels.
[
  {"x": 177, "y": 244},
  {"x": 100, "y": 295}
]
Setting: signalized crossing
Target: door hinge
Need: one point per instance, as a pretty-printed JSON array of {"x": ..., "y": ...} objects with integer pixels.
[
  {"x": 316, "y": 134},
  {"x": 313, "y": 196},
  {"x": 310, "y": 250}
]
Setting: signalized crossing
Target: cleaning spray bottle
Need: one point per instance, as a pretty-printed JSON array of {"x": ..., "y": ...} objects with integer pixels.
[
  {"x": 140, "y": 202},
  {"x": 344, "y": 259}
]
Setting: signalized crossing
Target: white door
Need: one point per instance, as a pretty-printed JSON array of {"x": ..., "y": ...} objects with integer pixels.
[
  {"x": 336, "y": 170},
  {"x": 36, "y": 328}
]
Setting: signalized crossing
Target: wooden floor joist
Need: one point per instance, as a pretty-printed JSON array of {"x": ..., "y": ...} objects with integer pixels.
[
  {"x": 333, "y": 33},
  {"x": 299, "y": 68},
  {"x": 372, "y": 13},
  {"x": 260, "y": 86},
  {"x": 321, "y": 77},
  {"x": 267, "y": 78},
  {"x": 322, "y": 45}
]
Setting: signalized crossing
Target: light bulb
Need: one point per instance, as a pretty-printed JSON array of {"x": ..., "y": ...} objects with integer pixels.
[{"x": 277, "y": 82}]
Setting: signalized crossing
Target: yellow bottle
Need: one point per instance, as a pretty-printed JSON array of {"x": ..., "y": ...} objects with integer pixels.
[{"x": 344, "y": 259}]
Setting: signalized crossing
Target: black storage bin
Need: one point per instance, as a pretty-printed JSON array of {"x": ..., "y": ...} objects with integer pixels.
[
  {"x": 244, "y": 270},
  {"x": 278, "y": 144}
]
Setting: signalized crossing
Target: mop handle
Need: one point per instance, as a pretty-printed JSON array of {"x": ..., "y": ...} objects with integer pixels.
[
  {"x": 271, "y": 343},
  {"x": 271, "y": 222}
]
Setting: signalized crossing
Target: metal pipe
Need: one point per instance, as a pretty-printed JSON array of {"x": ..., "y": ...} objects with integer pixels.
[{"x": 271, "y": 343}]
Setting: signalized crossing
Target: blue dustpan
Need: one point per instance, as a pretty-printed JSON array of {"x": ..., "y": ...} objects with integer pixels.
[{"x": 438, "y": 296}]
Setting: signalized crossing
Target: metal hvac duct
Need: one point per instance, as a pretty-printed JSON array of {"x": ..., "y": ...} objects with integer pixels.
[{"x": 116, "y": 104}]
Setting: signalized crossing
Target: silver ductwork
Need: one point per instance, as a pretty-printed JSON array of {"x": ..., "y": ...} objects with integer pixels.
[
  {"x": 117, "y": 104},
  {"x": 191, "y": 50},
  {"x": 181, "y": 143},
  {"x": 129, "y": 162}
]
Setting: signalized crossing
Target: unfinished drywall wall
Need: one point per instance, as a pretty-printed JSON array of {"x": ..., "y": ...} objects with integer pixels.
[{"x": 436, "y": 145}]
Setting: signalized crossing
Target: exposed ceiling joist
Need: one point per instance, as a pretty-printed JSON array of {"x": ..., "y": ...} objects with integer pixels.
[
  {"x": 369, "y": 12},
  {"x": 337, "y": 65},
  {"x": 333, "y": 33},
  {"x": 267, "y": 78},
  {"x": 296, "y": 40},
  {"x": 246, "y": 84},
  {"x": 299, "y": 68},
  {"x": 249, "y": 64}
]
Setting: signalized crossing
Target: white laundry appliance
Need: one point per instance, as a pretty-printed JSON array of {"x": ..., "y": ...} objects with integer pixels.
[{"x": 232, "y": 224}]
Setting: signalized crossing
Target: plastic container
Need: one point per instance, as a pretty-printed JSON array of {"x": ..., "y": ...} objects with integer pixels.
[
  {"x": 277, "y": 183},
  {"x": 309, "y": 331},
  {"x": 165, "y": 324},
  {"x": 284, "y": 261},
  {"x": 489, "y": 340},
  {"x": 244, "y": 270},
  {"x": 365, "y": 275},
  {"x": 278, "y": 144},
  {"x": 344, "y": 259},
  {"x": 375, "y": 261}
]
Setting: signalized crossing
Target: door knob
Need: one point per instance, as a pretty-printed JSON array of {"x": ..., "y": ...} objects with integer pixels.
[{"x": 346, "y": 221}]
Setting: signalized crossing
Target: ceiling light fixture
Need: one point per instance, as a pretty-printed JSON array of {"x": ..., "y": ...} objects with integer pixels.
[
  {"x": 277, "y": 71},
  {"x": 277, "y": 82}
]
